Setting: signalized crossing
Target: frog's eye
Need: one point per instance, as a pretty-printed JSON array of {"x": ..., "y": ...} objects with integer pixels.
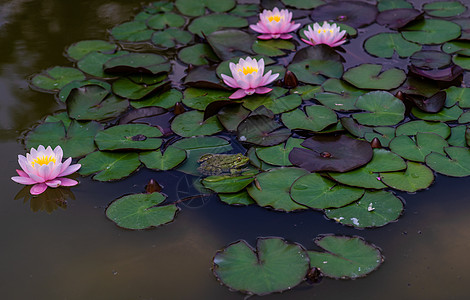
[{"x": 239, "y": 158}]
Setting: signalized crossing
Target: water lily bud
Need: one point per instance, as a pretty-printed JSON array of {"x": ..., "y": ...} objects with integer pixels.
[
  {"x": 152, "y": 187},
  {"x": 290, "y": 80},
  {"x": 179, "y": 108},
  {"x": 375, "y": 143}
]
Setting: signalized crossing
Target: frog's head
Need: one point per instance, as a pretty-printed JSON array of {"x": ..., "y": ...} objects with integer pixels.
[{"x": 240, "y": 160}]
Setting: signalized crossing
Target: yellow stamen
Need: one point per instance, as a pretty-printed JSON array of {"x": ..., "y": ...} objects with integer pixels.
[
  {"x": 248, "y": 70},
  {"x": 319, "y": 30},
  {"x": 275, "y": 18},
  {"x": 44, "y": 160}
]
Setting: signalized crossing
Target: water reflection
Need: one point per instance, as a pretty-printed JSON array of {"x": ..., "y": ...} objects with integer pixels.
[{"x": 48, "y": 201}]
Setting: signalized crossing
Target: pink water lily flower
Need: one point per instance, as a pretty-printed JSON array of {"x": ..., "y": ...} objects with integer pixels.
[
  {"x": 44, "y": 168},
  {"x": 325, "y": 34},
  {"x": 275, "y": 24},
  {"x": 248, "y": 78}
]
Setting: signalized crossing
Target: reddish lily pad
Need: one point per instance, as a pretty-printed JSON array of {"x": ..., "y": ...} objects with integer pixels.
[
  {"x": 446, "y": 74},
  {"x": 430, "y": 59},
  {"x": 262, "y": 130},
  {"x": 355, "y": 14},
  {"x": 397, "y": 18}
]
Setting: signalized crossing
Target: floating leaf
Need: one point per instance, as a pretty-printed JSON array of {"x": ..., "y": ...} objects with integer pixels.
[
  {"x": 465, "y": 25},
  {"x": 76, "y": 140},
  {"x": 278, "y": 155},
  {"x": 273, "y": 47},
  {"x": 161, "y": 21},
  {"x": 315, "y": 118},
  {"x": 272, "y": 189},
  {"x": 135, "y": 31},
  {"x": 397, "y": 17},
  {"x": 374, "y": 209},
  {"x": 262, "y": 130},
  {"x": 316, "y": 71},
  {"x": 273, "y": 101},
  {"x": 146, "y": 63},
  {"x": 369, "y": 76},
  {"x": 430, "y": 59},
  {"x": 109, "y": 165},
  {"x": 447, "y": 74},
  {"x": 355, "y": 14},
  {"x": 129, "y": 136},
  {"x": 168, "y": 38},
  {"x": 201, "y": 98},
  {"x": 413, "y": 127},
  {"x": 446, "y": 114},
  {"x": 230, "y": 43},
  {"x": 457, "y": 136},
  {"x": 191, "y": 123},
  {"x": 458, "y": 47},
  {"x": 127, "y": 88},
  {"x": 386, "y": 44},
  {"x": 231, "y": 116},
  {"x": 206, "y": 25},
  {"x": 315, "y": 191},
  {"x": 444, "y": 8},
  {"x": 93, "y": 63},
  {"x": 198, "y": 8},
  {"x": 462, "y": 61},
  {"x": 166, "y": 100},
  {"x": 55, "y": 78},
  {"x": 171, "y": 158},
  {"x": 240, "y": 198},
  {"x": 141, "y": 211},
  {"x": 431, "y": 31},
  {"x": 464, "y": 118},
  {"x": 331, "y": 153},
  {"x": 274, "y": 266},
  {"x": 303, "y": 4},
  {"x": 307, "y": 92},
  {"x": 417, "y": 149},
  {"x": 78, "y": 50},
  {"x": 384, "y": 5},
  {"x": 419, "y": 86},
  {"x": 416, "y": 177},
  {"x": 198, "y": 54},
  {"x": 65, "y": 91},
  {"x": 339, "y": 95},
  {"x": 456, "y": 163},
  {"x": 383, "y": 109},
  {"x": 228, "y": 183},
  {"x": 345, "y": 257},
  {"x": 245, "y": 10}
]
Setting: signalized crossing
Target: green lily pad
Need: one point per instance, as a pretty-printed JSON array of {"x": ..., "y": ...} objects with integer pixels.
[
  {"x": 245, "y": 10},
  {"x": 262, "y": 130},
  {"x": 374, "y": 209},
  {"x": 317, "y": 192},
  {"x": 232, "y": 115},
  {"x": 455, "y": 164},
  {"x": 93, "y": 102},
  {"x": 159, "y": 6},
  {"x": 386, "y": 44},
  {"x": 274, "y": 266},
  {"x": 200, "y": 98},
  {"x": 315, "y": 118},
  {"x": 444, "y": 8},
  {"x": 303, "y": 4},
  {"x": 419, "y": 86},
  {"x": 76, "y": 140},
  {"x": 93, "y": 63},
  {"x": 368, "y": 176},
  {"x": 206, "y": 25},
  {"x": 278, "y": 155},
  {"x": 274, "y": 101},
  {"x": 191, "y": 123},
  {"x": 417, "y": 149},
  {"x": 134, "y": 31},
  {"x": 129, "y": 136},
  {"x": 464, "y": 23},
  {"x": 413, "y": 127},
  {"x": 166, "y": 100},
  {"x": 230, "y": 43},
  {"x": 240, "y": 198},
  {"x": 384, "y": 5},
  {"x": 167, "y": 160},
  {"x": 273, "y": 47},
  {"x": 382, "y": 108},
  {"x": 458, "y": 95},
  {"x": 353, "y": 13},
  {"x": 272, "y": 189},
  {"x": 355, "y": 128},
  {"x": 345, "y": 257},
  {"x": 146, "y": 63},
  {"x": 384, "y": 134},
  {"x": 198, "y": 8},
  {"x": 445, "y": 115},
  {"x": 127, "y": 88},
  {"x": 430, "y": 59},
  {"x": 462, "y": 61},
  {"x": 431, "y": 31},
  {"x": 65, "y": 91},
  {"x": 458, "y": 47},
  {"x": 338, "y": 95},
  {"x": 59, "y": 117},
  {"x": 56, "y": 78},
  {"x": 78, "y": 50},
  {"x": 314, "y": 71},
  {"x": 464, "y": 118},
  {"x": 164, "y": 20},
  {"x": 197, "y": 55},
  {"x": 170, "y": 37},
  {"x": 307, "y": 92},
  {"x": 457, "y": 136},
  {"x": 369, "y": 76},
  {"x": 227, "y": 183},
  {"x": 141, "y": 211},
  {"x": 416, "y": 177},
  {"x": 109, "y": 165}
]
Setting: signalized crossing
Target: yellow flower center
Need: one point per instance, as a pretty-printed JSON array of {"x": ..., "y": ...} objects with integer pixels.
[
  {"x": 275, "y": 18},
  {"x": 248, "y": 70},
  {"x": 44, "y": 160},
  {"x": 324, "y": 30}
]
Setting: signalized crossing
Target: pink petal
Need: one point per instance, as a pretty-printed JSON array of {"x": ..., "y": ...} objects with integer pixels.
[
  {"x": 67, "y": 182},
  {"x": 71, "y": 169},
  {"x": 257, "y": 28},
  {"x": 265, "y": 37},
  {"x": 23, "y": 180},
  {"x": 23, "y": 162},
  {"x": 229, "y": 81},
  {"x": 22, "y": 173},
  {"x": 308, "y": 42},
  {"x": 286, "y": 36},
  {"x": 238, "y": 94},
  {"x": 53, "y": 183},
  {"x": 262, "y": 90},
  {"x": 38, "y": 189}
]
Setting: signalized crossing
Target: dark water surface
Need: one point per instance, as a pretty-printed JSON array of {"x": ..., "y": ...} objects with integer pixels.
[{"x": 76, "y": 253}]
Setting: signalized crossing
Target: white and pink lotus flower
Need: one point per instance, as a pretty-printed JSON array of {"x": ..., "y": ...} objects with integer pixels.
[
  {"x": 325, "y": 34},
  {"x": 43, "y": 168},
  {"x": 248, "y": 78},
  {"x": 275, "y": 24}
]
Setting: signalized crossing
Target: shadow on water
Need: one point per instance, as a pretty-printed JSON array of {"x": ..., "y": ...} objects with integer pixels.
[{"x": 69, "y": 250}]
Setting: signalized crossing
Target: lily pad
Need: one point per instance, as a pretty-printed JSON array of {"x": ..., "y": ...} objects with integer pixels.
[
  {"x": 93, "y": 102},
  {"x": 317, "y": 192},
  {"x": 134, "y": 31},
  {"x": 345, "y": 257},
  {"x": 93, "y": 63},
  {"x": 170, "y": 37},
  {"x": 166, "y": 100},
  {"x": 198, "y": 8},
  {"x": 374, "y": 209},
  {"x": 383, "y": 134},
  {"x": 444, "y": 8},
  {"x": 430, "y": 59},
  {"x": 191, "y": 123},
  {"x": 262, "y": 130},
  {"x": 416, "y": 177},
  {"x": 462, "y": 61},
  {"x": 445, "y": 115},
  {"x": 232, "y": 115},
  {"x": 370, "y": 76},
  {"x": 274, "y": 266},
  {"x": 272, "y": 189},
  {"x": 273, "y": 101},
  {"x": 465, "y": 25},
  {"x": 386, "y": 44},
  {"x": 458, "y": 47},
  {"x": 431, "y": 31},
  {"x": 417, "y": 149},
  {"x": 230, "y": 43},
  {"x": 307, "y": 92},
  {"x": 197, "y": 55},
  {"x": 129, "y": 136},
  {"x": 419, "y": 86},
  {"x": 146, "y": 63},
  {"x": 200, "y": 98},
  {"x": 413, "y": 127},
  {"x": 167, "y": 160},
  {"x": 338, "y": 95},
  {"x": 314, "y": 71},
  {"x": 164, "y": 20},
  {"x": 315, "y": 118},
  {"x": 127, "y": 88},
  {"x": 204, "y": 77},
  {"x": 464, "y": 118},
  {"x": 446, "y": 74},
  {"x": 382, "y": 108},
  {"x": 278, "y": 155},
  {"x": 397, "y": 17},
  {"x": 109, "y": 165},
  {"x": 76, "y": 140},
  {"x": 206, "y": 25},
  {"x": 78, "y": 50},
  {"x": 331, "y": 153},
  {"x": 273, "y": 47},
  {"x": 240, "y": 198},
  {"x": 228, "y": 183},
  {"x": 141, "y": 211},
  {"x": 355, "y": 14},
  {"x": 457, "y": 136},
  {"x": 455, "y": 164},
  {"x": 384, "y": 5},
  {"x": 303, "y": 4},
  {"x": 65, "y": 91},
  {"x": 56, "y": 78},
  {"x": 245, "y": 10}
]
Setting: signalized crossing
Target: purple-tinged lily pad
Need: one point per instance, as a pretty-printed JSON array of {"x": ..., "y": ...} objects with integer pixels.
[
  {"x": 355, "y": 14},
  {"x": 145, "y": 63},
  {"x": 447, "y": 74},
  {"x": 331, "y": 153},
  {"x": 262, "y": 130},
  {"x": 230, "y": 43},
  {"x": 430, "y": 59},
  {"x": 204, "y": 77},
  {"x": 444, "y": 9},
  {"x": 397, "y": 18},
  {"x": 432, "y": 104}
]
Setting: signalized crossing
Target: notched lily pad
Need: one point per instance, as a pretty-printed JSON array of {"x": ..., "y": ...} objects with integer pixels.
[
  {"x": 82, "y": 48},
  {"x": 55, "y": 78},
  {"x": 207, "y": 24},
  {"x": 398, "y": 17},
  {"x": 315, "y": 118},
  {"x": 262, "y": 130},
  {"x": 167, "y": 160},
  {"x": 229, "y": 183},
  {"x": 430, "y": 59},
  {"x": 444, "y": 9},
  {"x": 141, "y": 211},
  {"x": 191, "y": 123},
  {"x": 355, "y": 14},
  {"x": 109, "y": 165},
  {"x": 417, "y": 149},
  {"x": 170, "y": 37},
  {"x": 416, "y": 177},
  {"x": 413, "y": 127},
  {"x": 455, "y": 164},
  {"x": 230, "y": 43},
  {"x": 382, "y": 108},
  {"x": 386, "y": 44},
  {"x": 198, "y": 8},
  {"x": 431, "y": 31},
  {"x": 129, "y": 136},
  {"x": 370, "y": 76},
  {"x": 134, "y": 31},
  {"x": 146, "y": 63}
]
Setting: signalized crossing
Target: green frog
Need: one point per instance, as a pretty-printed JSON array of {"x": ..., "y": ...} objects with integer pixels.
[{"x": 219, "y": 164}]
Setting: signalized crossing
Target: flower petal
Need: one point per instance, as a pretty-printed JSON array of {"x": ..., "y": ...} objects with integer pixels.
[
  {"x": 238, "y": 94},
  {"x": 71, "y": 169},
  {"x": 53, "y": 183},
  {"x": 23, "y": 180},
  {"x": 38, "y": 189},
  {"x": 229, "y": 81},
  {"x": 67, "y": 182},
  {"x": 262, "y": 90}
]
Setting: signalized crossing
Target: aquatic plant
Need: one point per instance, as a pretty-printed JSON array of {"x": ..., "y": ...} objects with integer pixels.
[
  {"x": 325, "y": 34},
  {"x": 275, "y": 24}
]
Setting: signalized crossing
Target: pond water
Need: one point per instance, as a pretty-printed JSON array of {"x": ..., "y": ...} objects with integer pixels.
[{"x": 75, "y": 252}]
